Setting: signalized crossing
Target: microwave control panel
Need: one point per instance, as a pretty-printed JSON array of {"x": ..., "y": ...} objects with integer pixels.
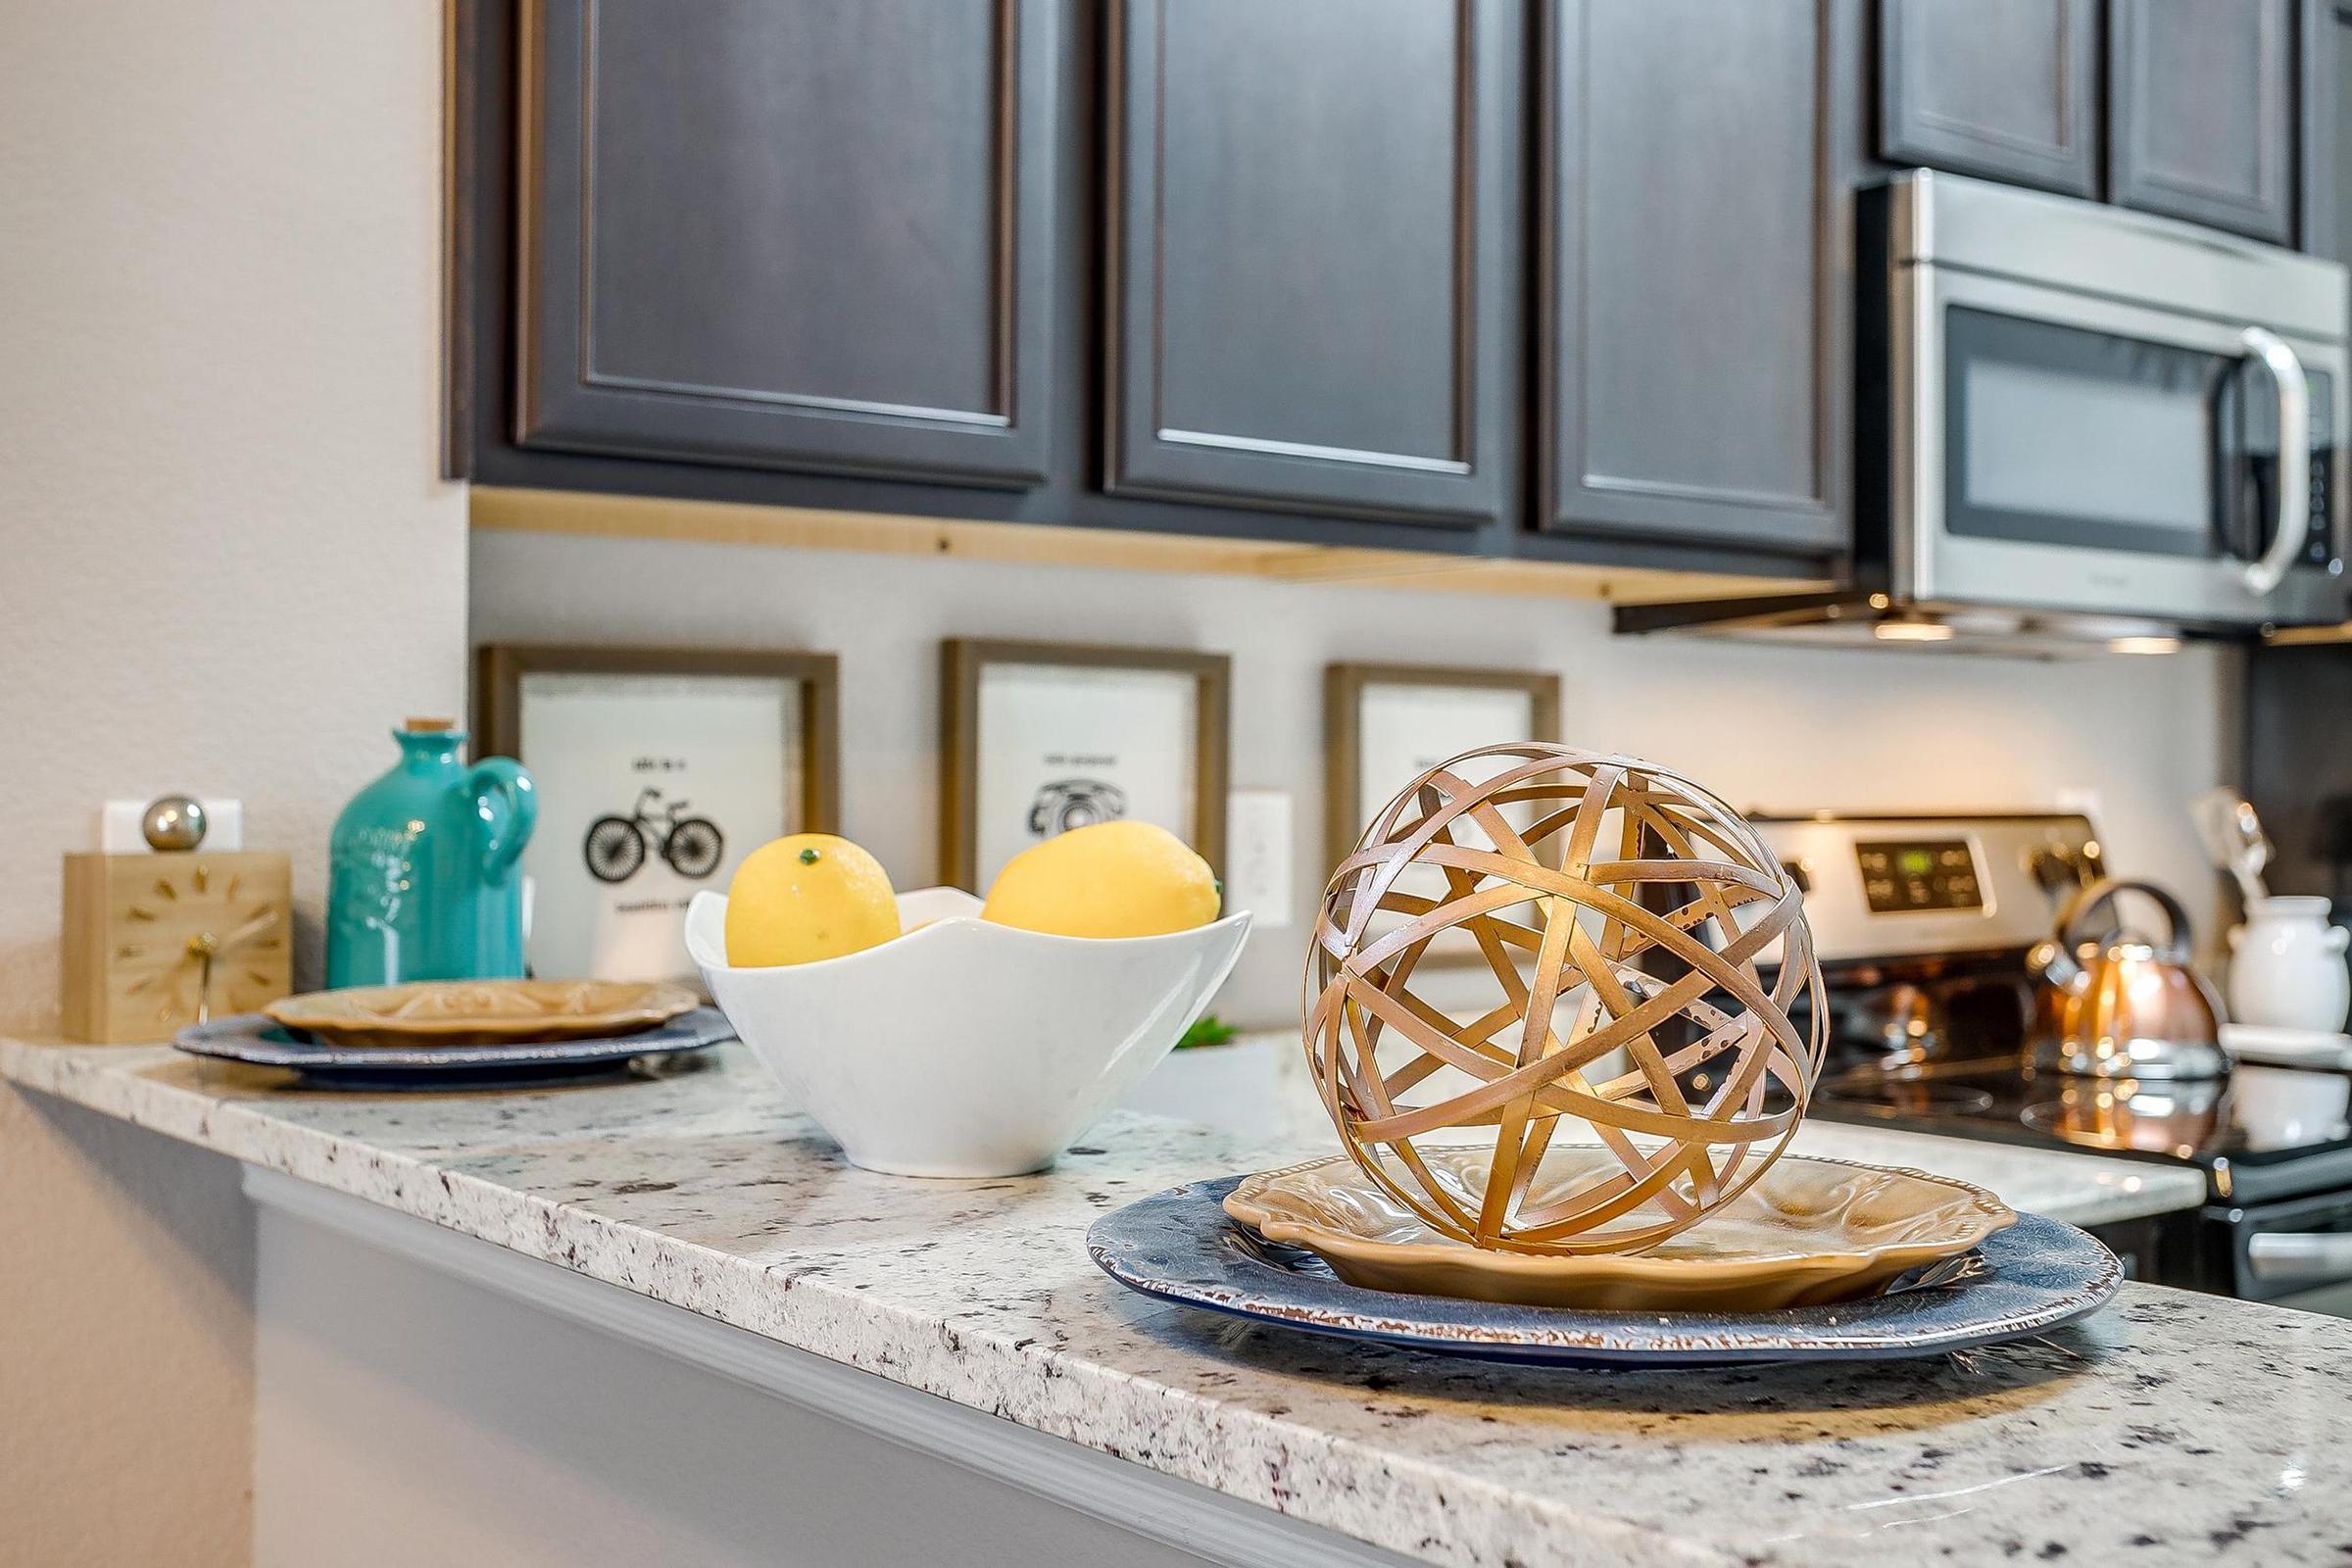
[
  {"x": 2319, "y": 541},
  {"x": 1915, "y": 875},
  {"x": 2319, "y": 544}
]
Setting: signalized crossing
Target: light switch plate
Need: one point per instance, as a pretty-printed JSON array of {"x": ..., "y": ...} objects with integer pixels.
[
  {"x": 1257, "y": 856},
  {"x": 118, "y": 831}
]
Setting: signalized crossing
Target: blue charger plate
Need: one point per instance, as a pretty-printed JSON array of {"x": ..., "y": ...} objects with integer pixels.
[
  {"x": 1181, "y": 1246},
  {"x": 254, "y": 1039}
]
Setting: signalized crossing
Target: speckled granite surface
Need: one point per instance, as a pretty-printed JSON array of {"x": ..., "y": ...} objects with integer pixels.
[{"x": 2170, "y": 1428}]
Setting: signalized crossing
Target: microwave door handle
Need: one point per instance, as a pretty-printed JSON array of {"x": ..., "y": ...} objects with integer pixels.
[{"x": 2294, "y": 460}]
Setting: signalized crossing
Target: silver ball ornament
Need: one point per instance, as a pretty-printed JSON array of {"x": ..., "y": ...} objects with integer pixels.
[{"x": 174, "y": 823}]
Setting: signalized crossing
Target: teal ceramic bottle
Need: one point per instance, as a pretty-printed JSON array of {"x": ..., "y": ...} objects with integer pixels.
[{"x": 423, "y": 882}]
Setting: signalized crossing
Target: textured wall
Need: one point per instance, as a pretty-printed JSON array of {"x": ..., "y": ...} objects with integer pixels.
[
  {"x": 1769, "y": 727},
  {"x": 127, "y": 1353},
  {"x": 229, "y": 567}
]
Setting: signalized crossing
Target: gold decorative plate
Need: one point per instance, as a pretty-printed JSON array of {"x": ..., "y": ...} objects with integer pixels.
[
  {"x": 1808, "y": 1232},
  {"x": 481, "y": 1012}
]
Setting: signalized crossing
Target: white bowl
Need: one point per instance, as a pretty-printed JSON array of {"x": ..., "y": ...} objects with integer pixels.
[{"x": 964, "y": 1048}]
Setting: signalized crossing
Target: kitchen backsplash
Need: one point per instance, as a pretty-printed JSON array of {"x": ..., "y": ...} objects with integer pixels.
[{"x": 2129, "y": 739}]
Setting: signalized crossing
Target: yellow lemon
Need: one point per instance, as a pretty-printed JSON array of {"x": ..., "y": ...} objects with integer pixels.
[
  {"x": 1109, "y": 879},
  {"x": 807, "y": 896}
]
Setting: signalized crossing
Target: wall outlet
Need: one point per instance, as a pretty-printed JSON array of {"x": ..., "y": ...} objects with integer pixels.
[
  {"x": 1257, "y": 856},
  {"x": 118, "y": 831}
]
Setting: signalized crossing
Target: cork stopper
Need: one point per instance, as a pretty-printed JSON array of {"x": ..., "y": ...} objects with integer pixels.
[{"x": 427, "y": 726}]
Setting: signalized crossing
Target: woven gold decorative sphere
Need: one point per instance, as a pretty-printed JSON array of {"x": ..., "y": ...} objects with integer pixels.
[{"x": 1599, "y": 889}]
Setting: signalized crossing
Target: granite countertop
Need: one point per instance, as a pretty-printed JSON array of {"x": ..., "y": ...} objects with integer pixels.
[{"x": 2170, "y": 1427}]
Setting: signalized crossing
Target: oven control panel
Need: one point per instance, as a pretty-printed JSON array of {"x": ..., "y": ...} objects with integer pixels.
[
  {"x": 1889, "y": 886},
  {"x": 1900, "y": 876}
]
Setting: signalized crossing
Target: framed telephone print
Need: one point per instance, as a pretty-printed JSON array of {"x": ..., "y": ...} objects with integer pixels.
[
  {"x": 1039, "y": 738},
  {"x": 658, "y": 771}
]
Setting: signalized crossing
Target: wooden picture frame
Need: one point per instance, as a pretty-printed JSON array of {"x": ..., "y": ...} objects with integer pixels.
[
  {"x": 1344, "y": 811},
  {"x": 725, "y": 816},
  {"x": 963, "y": 663},
  {"x": 498, "y": 669}
]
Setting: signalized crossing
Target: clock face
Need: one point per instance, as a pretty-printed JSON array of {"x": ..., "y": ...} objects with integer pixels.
[{"x": 183, "y": 923}]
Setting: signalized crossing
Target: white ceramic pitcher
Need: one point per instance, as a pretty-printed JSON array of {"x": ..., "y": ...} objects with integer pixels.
[{"x": 2286, "y": 966}]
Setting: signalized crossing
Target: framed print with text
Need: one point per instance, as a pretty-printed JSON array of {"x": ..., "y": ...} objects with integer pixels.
[
  {"x": 658, "y": 771},
  {"x": 1039, "y": 738},
  {"x": 1385, "y": 726}
]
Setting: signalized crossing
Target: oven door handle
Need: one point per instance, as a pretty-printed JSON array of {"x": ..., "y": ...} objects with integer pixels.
[
  {"x": 2294, "y": 460},
  {"x": 2292, "y": 1257}
]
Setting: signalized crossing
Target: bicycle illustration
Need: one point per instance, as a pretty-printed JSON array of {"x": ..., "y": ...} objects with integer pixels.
[{"x": 617, "y": 845}]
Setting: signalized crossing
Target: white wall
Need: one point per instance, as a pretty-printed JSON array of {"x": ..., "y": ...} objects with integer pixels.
[
  {"x": 227, "y": 568},
  {"x": 1767, "y": 727}
]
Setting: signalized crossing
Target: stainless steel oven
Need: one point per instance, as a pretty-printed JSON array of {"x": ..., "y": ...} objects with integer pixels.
[
  {"x": 2296, "y": 1253},
  {"x": 1924, "y": 925},
  {"x": 2093, "y": 411}
]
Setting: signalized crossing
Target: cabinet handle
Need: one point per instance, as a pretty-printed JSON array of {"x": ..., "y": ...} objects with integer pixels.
[{"x": 2294, "y": 460}]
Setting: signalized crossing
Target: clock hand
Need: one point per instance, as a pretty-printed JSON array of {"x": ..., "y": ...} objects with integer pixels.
[
  {"x": 249, "y": 930},
  {"x": 204, "y": 945}
]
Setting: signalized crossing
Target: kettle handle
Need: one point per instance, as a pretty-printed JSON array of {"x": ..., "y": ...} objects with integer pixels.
[
  {"x": 508, "y": 808},
  {"x": 2073, "y": 921}
]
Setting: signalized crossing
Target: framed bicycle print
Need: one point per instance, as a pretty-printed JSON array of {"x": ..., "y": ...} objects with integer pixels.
[
  {"x": 1039, "y": 738},
  {"x": 1385, "y": 726},
  {"x": 657, "y": 769}
]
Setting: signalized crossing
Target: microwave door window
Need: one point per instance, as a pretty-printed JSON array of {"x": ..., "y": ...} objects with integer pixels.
[{"x": 2058, "y": 435}]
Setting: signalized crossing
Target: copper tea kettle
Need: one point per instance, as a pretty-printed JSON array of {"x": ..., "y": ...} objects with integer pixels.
[{"x": 2114, "y": 1003}]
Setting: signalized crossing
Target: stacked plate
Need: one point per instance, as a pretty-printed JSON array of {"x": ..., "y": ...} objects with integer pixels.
[
  {"x": 474, "y": 1033},
  {"x": 1819, "y": 1260}
]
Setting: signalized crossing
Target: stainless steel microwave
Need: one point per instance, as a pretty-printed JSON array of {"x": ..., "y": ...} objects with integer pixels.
[
  {"x": 2077, "y": 423},
  {"x": 2090, "y": 410}
]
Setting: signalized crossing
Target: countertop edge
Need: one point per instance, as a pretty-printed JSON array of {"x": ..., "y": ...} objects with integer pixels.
[{"x": 922, "y": 1354}]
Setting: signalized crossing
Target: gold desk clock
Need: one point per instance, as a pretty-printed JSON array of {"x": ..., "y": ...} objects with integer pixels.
[{"x": 156, "y": 942}]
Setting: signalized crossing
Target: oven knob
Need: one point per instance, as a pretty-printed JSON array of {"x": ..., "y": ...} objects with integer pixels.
[{"x": 2057, "y": 868}]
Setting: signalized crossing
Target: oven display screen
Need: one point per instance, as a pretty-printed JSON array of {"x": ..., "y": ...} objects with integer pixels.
[{"x": 1919, "y": 875}]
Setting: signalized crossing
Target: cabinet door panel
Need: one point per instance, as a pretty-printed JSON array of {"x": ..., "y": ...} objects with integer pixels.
[
  {"x": 2002, "y": 88},
  {"x": 2324, "y": 125},
  {"x": 2201, "y": 108},
  {"x": 1312, "y": 224},
  {"x": 1699, "y": 298},
  {"x": 787, "y": 232}
]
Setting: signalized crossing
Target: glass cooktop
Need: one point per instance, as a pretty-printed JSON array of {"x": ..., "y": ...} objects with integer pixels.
[{"x": 2257, "y": 1115}]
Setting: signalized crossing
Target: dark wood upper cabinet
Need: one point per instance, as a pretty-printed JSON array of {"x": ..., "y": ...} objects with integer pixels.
[
  {"x": 788, "y": 234},
  {"x": 2202, "y": 112},
  {"x": 2007, "y": 89},
  {"x": 1697, "y": 283},
  {"x": 2323, "y": 127},
  {"x": 1313, "y": 233}
]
